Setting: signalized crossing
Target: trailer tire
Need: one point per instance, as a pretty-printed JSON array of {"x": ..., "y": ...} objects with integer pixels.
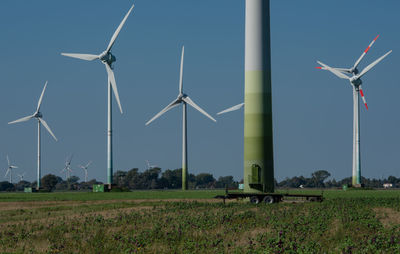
[
  {"x": 268, "y": 199},
  {"x": 254, "y": 200}
]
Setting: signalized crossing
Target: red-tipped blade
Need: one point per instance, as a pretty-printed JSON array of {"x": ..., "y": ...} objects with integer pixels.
[
  {"x": 365, "y": 52},
  {"x": 370, "y": 45},
  {"x": 363, "y": 98},
  {"x": 319, "y": 67}
]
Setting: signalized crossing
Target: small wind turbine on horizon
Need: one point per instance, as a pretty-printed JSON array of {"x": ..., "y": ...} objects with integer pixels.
[
  {"x": 107, "y": 58},
  {"x": 39, "y": 117},
  {"x": 85, "y": 169},
  {"x": 67, "y": 169},
  {"x": 150, "y": 166},
  {"x": 182, "y": 99},
  {"x": 21, "y": 176},
  {"x": 355, "y": 82},
  {"x": 10, "y": 169}
]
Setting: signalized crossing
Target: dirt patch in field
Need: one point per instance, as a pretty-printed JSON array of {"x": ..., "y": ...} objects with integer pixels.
[{"x": 387, "y": 216}]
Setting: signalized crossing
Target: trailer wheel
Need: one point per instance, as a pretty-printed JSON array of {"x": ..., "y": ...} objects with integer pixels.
[
  {"x": 254, "y": 200},
  {"x": 268, "y": 199}
]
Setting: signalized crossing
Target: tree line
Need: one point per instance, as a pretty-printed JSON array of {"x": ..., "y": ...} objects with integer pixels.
[{"x": 155, "y": 178}]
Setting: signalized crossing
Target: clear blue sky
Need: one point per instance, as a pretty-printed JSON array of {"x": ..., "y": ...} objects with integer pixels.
[{"x": 312, "y": 108}]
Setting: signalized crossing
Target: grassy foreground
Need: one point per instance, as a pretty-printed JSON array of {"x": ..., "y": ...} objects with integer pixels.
[{"x": 346, "y": 222}]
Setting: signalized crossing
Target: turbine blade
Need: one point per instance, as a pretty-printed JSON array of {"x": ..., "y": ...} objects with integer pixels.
[
  {"x": 43, "y": 122},
  {"x": 87, "y": 57},
  {"x": 173, "y": 104},
  {"x": 338, "y": 69},
  {"x": 336, "y": 72},
  {"x": 363, "y": 97},
  {"x": 23, "y": 119},
  {"x": 90, "y": 162},
  {"x": 8, "y": 170},
  {"x": 115, "y": 35},
  {"x": 181, "y": 71},
  {"x": 194, "y": 105},
  {"x": 70, "y": 159},
  {"x": 369, "y": 67},
  {"x": 13, "y": 166},
  {"x": 365, "y": 52},
  {"x": 236, "y": 107},
  {"x": 41, "y": 97},
  {"x": 8, "y": 160},
  {"x": 111, "y": 79}
]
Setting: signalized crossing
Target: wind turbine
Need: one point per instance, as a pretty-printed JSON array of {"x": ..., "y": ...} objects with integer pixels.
[
  {"x": 150, "y": 166},
  {"x": 184, "y": 100},
  {"x": 355, "y": 82},
  {"x": 38, "y": 115},
  {"x": 107, "y": 58},
  {"x": 21, "y": 176},
  {"x": 10, "y": 169},
  {"x": 67, "y": 169},
  {"x": 85, "y": 169}
]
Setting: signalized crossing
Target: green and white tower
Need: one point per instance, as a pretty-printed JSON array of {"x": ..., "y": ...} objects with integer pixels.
[{"x": 258, "y": 138}]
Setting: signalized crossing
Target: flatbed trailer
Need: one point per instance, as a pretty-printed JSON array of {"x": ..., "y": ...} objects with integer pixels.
[{"x": 269, "y": 198}]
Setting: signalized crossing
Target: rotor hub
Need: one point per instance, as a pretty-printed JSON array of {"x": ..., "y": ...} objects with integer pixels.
[
  {"x": 38, "y": 115},
  {"x": 356, "y": 81},
  {"x": 107, "y": 57}
]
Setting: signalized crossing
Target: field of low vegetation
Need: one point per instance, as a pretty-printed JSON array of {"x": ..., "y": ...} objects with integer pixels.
[{"x": 353, "y": 221}]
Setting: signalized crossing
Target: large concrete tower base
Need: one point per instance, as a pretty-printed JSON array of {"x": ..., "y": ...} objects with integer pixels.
[{"x": 258, "y": 138}]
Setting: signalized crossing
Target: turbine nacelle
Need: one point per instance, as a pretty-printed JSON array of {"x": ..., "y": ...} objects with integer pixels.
[
  {"x": 181, "y": 97},
  {"x": 37, "y": 115},
  {"x": 356, "y": 81},
  {"x": 107, "y": 57}
]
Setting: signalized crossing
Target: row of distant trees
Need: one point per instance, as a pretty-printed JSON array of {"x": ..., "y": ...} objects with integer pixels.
[
  {"x": 155, "y": 178},
  {"x": 319, "y": 178}
]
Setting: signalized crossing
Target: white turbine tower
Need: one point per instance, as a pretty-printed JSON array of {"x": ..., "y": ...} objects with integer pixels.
[
  {"x": 67, "y": 169},
  {"x": 10, "y": 169},
  {"x": 182, "y": 99},
  {"x": 38, "y": 115},
  {"x": 85, "y": 169},
  {"x": 21, "y": 176},
  {"x": 355, "y": 82},
  {"x": 107, "y": 59}
]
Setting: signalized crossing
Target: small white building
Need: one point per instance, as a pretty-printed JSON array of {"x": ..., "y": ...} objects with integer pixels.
[{"x": 387, "y": 185}]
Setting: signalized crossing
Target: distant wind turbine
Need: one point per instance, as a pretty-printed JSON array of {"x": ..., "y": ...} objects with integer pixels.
[
  {"x": 38, "y": 115},
  {"x": 21, "y": 176},
  {"x": 150, "y": 166},
  {"x": 67, "y": 169},
  {"x": 107, "y": 58},
  {"x": 182, "y": 99},
  {"x": 10, "y": 169},
  {"x": 85, "y": 169},
  {"x": 355, "y": 82}
]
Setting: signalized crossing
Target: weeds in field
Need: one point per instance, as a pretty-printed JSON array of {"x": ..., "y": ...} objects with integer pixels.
[{"x": 337, "y": 225}]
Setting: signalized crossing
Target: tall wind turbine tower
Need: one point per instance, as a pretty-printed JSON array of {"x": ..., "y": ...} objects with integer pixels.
[
  {"x": 39, "y": 117},
  {"x": 183, "y": 99},
  {"x": 355, "y": 82},
  {"x": 107, "y": 58},
  {"x": 258, "y": 140}
]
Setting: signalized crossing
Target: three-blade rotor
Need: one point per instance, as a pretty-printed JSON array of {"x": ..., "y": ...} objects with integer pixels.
[
  {"x": 10, "y": 167},
  {"x": 182, "y": 98},
  {"x": 38, "y": 115},
  {"x": 107, "y": 58},
  {"x": 355, "y": 80}
]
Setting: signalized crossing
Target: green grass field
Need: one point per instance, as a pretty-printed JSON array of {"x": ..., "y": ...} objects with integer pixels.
[{"x": 356, "y": 221}]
